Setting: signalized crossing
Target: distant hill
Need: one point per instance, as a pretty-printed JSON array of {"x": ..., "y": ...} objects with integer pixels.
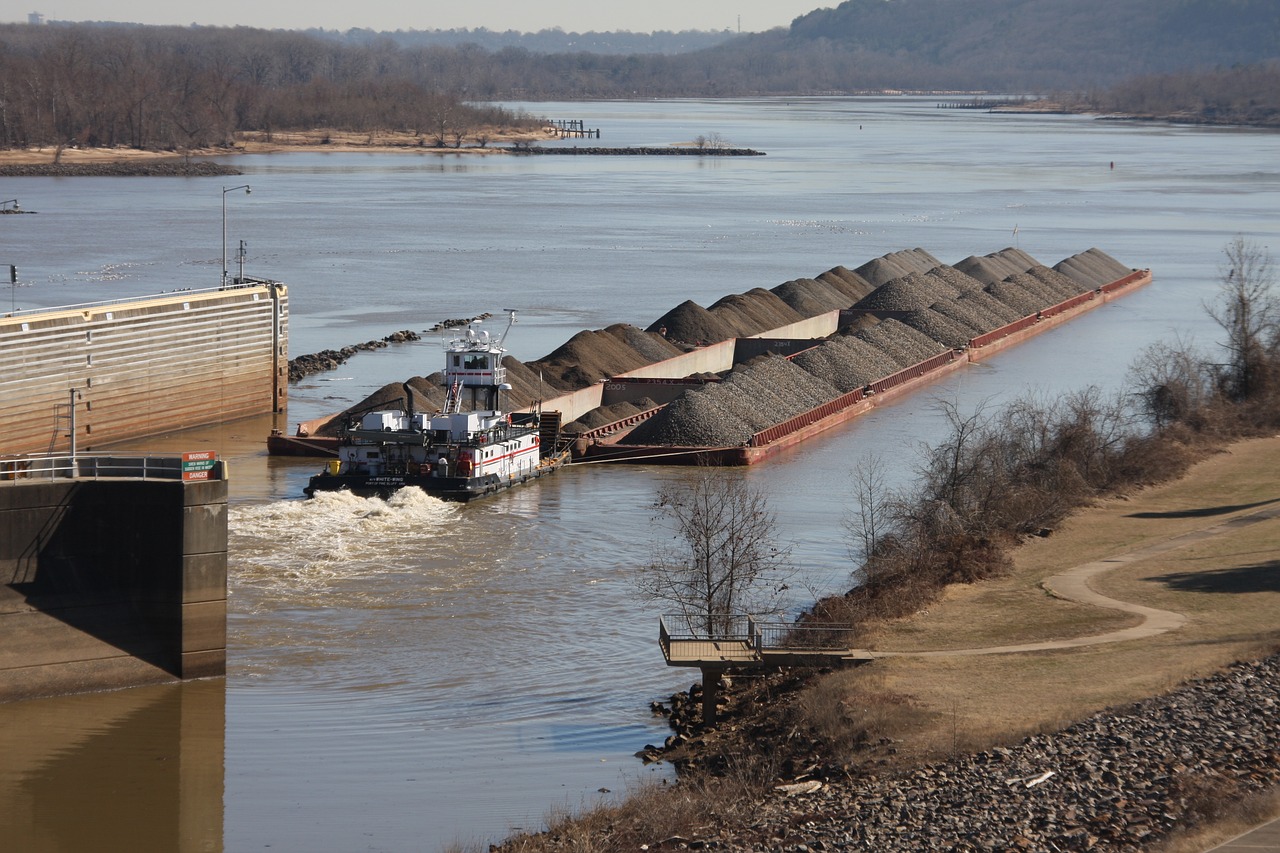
[
  {"x": 553, "y": 40},
  {"x": 1018, "y": 44}
]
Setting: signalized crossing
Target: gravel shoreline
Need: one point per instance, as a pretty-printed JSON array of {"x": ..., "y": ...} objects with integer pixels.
[
  {"x": 1119, "y": 780},
  {"x": 119, "y": 169}
]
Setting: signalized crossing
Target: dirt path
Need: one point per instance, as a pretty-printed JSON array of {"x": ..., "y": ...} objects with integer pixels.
[{"x": 1073, "y": 585}]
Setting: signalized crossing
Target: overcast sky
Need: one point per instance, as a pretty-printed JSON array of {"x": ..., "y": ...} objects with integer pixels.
[{"x": 525, "y": 16}]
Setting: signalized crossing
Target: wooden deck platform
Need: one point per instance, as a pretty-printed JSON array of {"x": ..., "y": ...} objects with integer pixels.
[{"x": 746, "y": 642}]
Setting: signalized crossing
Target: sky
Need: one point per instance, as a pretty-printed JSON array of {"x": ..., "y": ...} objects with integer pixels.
[{"x": 640, "y": 16}]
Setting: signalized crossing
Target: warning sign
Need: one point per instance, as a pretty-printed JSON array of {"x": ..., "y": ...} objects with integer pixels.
[{"x": 199, "y": 465}]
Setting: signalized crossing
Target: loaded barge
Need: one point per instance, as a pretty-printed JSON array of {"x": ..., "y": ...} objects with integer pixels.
[
  {"x": 618, "y": 417},
  {"x": 607, "y": 443}
]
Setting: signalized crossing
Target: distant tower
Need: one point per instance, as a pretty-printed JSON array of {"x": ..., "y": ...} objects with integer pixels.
[{"x": 35, "y": 19}]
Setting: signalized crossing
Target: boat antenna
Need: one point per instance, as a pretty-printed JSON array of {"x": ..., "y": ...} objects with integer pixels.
[{"x": 511, "y": 321}]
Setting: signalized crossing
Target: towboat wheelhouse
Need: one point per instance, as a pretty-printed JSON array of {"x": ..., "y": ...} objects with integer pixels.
[{"x": 468, "y": 449}]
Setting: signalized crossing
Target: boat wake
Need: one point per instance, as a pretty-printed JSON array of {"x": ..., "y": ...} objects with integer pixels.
[{"x": 335, "y": 536}]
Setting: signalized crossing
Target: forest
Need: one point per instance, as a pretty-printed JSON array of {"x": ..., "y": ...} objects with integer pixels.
[{"x": 184, "y": 88}]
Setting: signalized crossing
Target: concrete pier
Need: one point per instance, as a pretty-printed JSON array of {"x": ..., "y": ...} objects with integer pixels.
[{"x": 114, "y": 577}]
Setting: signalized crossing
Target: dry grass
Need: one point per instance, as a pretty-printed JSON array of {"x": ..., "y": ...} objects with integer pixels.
[{"x": 1226, "y": 585}]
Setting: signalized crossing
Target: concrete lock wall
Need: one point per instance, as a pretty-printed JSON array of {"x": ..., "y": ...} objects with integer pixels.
[
  {"x": 125, "y": 370},
  {"x": 111, "y": 583}
]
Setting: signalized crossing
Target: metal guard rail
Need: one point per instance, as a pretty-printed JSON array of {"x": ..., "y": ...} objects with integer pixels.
[
  {"x": 614, "y": 426},
  {"x": 762, "y": 636},
  {"x": 14, "y": 469}
]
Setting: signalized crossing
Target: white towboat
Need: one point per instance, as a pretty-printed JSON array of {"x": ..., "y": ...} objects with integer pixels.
[{"x": 469, "y": 449}]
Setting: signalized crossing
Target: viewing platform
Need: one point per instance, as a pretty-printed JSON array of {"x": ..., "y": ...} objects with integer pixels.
[{"x": 743, "y": 641}]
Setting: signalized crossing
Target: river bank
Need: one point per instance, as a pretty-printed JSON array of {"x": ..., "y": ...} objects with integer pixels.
[{"x": 942, "y": 745}]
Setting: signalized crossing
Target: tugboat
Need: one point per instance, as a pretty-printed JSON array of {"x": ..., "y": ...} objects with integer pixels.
[{"x": 469, "y": 449}]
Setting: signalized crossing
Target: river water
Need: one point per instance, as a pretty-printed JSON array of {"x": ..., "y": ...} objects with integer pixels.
[{"x": 408, "y": 674}]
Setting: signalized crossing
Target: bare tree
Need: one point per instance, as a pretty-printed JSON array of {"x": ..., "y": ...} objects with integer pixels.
[
  {"x": 725, "y": 558},
  {"x": 1248, "y": 310},
  {"x": 1172, "y": 384},
  {"x": 869, "y": 521}
]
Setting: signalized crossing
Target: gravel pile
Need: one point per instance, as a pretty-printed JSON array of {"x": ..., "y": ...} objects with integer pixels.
[
  {"x": 1092, "y": 268},
  {"x": 955, "y": 278},
  {"x": 648, "y": 345},
  {"x": 753, "y": 312},
  {"x": 997, "y": 266},
  {"x": 991, "y": 307},
  {"x": 896, "y": 265},
  {"x": 849, "y": 282},
  {"x": 690, "y": 323},
  {"x": 764, "y": 392},
  {"x": 908, "y": 293},
  {"x": 971, "y": 314},
  {"x": 846, "y": 361},
  {"x": 1121, "y": 780},
  {"x": 900, "y": 342},
  {"x": 1016, "y": 297},
  {"x": 809, "y": 298},
  {"x": 940, "y": 327},
  {"x": 1043, "y": 295},
  {"x": 1060, "y": 284},
  {"x": 591, "y": 356}
]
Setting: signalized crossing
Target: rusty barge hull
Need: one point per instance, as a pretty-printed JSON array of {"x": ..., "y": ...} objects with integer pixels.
[{"x": 784, "y": 436}]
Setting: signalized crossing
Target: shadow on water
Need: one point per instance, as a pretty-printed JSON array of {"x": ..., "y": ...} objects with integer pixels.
[
  {"x": 144, "y": 767},
  {"x": 1259, "y": 577},
  {"x": 1204, "y": 512}
]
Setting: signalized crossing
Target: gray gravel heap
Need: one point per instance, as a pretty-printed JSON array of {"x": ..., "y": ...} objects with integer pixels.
[
  {"x": 1118, "y": 781},
  {"x": 1016, "y": 296},
  {"x": 767, "y": 391},
  {"x": 997, "y": 266},
  {"x": 1064, "y": 286},
  {"x": 847, "y": 362},
  {"x": 1092, "y": 268},
  {"x": 908, "y": 293},
  {"x": 903, "y": 344},
  {"x": 896, "y": 265},
  {"x": 940, "y": 327}
]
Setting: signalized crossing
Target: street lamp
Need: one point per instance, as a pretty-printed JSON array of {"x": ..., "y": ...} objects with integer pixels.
[
  {"x": 226, "y": 190},
  {"x": 4, "y": 205}
]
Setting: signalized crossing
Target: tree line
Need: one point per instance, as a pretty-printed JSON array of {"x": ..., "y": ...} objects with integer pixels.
[
  {"x": 173, "y": 88},
  {"x": 178, "y": 88},
  {"x": 1248, "y": 95}
]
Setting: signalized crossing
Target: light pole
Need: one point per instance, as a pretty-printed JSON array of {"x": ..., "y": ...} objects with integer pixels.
[
  {"x": 4, "y": 205},
  {"x": 226, "y": 190}
]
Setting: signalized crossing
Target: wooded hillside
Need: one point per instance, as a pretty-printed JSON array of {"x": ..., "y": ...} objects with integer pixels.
[{"x": 179, "y": 88}]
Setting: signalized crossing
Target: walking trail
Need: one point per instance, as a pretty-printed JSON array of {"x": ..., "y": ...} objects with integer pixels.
[{"x": 1073, "y": 585}]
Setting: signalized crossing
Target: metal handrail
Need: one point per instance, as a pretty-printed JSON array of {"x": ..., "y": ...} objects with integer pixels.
[
  {"x": 18, "y": 469},
  {"x": 761, "y": 634}
]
